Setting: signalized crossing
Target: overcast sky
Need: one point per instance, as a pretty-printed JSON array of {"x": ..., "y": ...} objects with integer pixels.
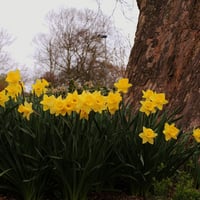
[{"x": 24, "y": 19}]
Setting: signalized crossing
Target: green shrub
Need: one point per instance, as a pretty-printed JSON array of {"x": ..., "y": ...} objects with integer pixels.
[
  {"x": 162, "y": 189},
  {"x": 184, "y": 188}
]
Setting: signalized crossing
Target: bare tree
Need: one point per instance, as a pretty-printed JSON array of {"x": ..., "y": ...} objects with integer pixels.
[
  {"x": 80, "y": 46},
  {"x": 47, "y": 54},
  {"x": 5, "y": 40}
]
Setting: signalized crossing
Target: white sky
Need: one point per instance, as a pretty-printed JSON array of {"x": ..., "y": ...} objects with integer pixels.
[{"x": 24, "y": 19}]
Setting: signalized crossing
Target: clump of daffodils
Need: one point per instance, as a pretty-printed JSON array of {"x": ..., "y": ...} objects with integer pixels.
[
  {"x": 170, "y": 132},
  {"x": 87, "y": 102},
  {"x": 82, "y": 103},
  {"x": 152, "y": 102},
  {"x": 15, "y": 85},
  {"x": 14, "y": 88}
]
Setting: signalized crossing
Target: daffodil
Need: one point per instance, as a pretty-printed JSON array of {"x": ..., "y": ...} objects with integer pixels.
[
  {"x": 3, "y": 98},
  {"x": 99, "y": 102},
  {"x": 13, "y": 77},
  {"x": 84, "y": 114},
  {"x": 59, "y": 107},
  {"x": 148, "y": 107},
  {"x": 48, "y": 102},
  {"x": 147, "y": 135},
  {"x": 123, "y": 85},
  {"x": 170, "y": 131},
  {"x": 196, "y": 134},
  {"x": 148, "y": 94},
  {"x": 112, "y": 101},
  {"x": 39, "y": 87},
  {"x": 159, "y": 100},
  {"x": 14, "y": 90},
  {"x": 86, "y": 102},
  {"x": 72, "y": 102},
  {"x": 26, "y": 109}
]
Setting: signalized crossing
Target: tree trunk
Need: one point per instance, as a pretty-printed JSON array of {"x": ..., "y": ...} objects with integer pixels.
[{"x": 166, "y": 55}]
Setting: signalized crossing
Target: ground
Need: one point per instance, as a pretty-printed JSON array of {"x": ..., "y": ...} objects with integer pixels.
[
  {"x": 112, "y": 196},
  {"x": 94, "y": 196}
]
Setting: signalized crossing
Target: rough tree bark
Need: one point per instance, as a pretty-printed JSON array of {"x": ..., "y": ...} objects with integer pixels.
[{"x": 166, "y": 55}]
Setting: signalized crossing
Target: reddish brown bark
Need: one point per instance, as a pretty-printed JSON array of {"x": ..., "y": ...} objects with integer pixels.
[{"x": 166, "y": 54}]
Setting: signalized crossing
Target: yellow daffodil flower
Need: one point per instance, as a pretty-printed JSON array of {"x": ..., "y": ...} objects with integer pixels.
[
  {"x": 84, "y": 114},
  {"x": 26, "y": 109},
  {"x": 59, "y": 107},
  {"x": 196, "y": 134},
  {"x": 123, "y": 85},
  {"x": 113, "y": 100},
  {"x": 159, "y": 100},
  {"x": 48, "y": 102},
  {"x": 14, "y": 90},
  {"x": 72, "y": 102},
  {"x": 3, "y": 98},
  {"x": 99, "y": 102},
  {"x": 170, "y": 131},
  {"x": 147, "y": 94},
  {"x": 148, "y": 107},
  {"x": 86, "y": 102},
  {"x": 13, "y": 77},
  {"x": 39, "y": 87},
  {"x": 147, "y": 135}
]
